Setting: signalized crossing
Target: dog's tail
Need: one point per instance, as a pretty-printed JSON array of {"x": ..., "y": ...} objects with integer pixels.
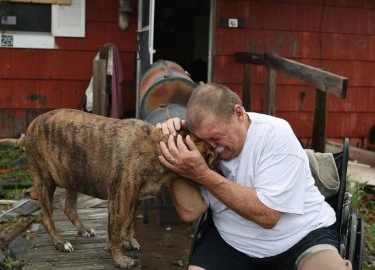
[{"x": 13, "y": 142}]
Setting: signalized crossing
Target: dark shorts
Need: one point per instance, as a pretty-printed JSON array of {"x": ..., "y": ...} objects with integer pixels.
[{"x": 215, "y": 254}]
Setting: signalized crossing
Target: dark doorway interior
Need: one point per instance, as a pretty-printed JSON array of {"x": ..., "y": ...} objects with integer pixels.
[{"x": 182, "y": 34}]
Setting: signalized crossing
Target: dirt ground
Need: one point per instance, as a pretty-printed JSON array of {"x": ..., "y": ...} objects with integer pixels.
[{"x": 165, "y": 241}]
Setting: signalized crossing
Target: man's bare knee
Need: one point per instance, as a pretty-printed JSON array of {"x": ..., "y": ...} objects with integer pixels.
[
  {"x": 324, "y": 260},
  {"x": 193, "y": 267}
]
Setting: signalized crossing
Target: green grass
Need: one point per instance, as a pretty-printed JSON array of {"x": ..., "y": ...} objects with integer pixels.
[
  {"x": 14, "y": 179},
  {"x": 15, "y": 193},
  {"x": 8, "y": 155},
  {"x": 12, "y": 224},
  {"x": 364, "y": 203},
  {"x": 11, "y": 263},
  {"x": 14, "y": 182},
  {"x": 16, "y": 175}
]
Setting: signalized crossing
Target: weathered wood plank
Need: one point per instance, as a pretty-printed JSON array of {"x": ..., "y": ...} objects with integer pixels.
[
  {"x": 84, "y": 212},
  {"x": 269, "y": 106},
  {"x": 96, "y": 265},
  {"x": 320, "y": 121},
  {"x": 358, "y": 154},
  {"x": 60, "y": 2},
  {"x": 246, "y": 93},
  {"x": 92, "y": 263},
  {"x": 250, "y": 58},
  {"x": 85, "y": 202},
  {"x": 99, "y": 86},
  {"x": 316, "y": 77}
]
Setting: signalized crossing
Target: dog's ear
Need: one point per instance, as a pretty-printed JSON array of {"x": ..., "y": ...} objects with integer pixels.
[
  {"x": 208, "y": 152},
  {"x": 212, "y": 158},
  {"x": 184, "y": 131}
]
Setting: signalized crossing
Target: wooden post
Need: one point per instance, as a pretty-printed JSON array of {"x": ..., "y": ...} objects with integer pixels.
[
  {"x": 99, "y": 86},
  {"x": 104, "y": 95},
  {"x": 248, "y": 59},
  {"x": 320, "y": 120},
  {"x": 246, "y": 89},
  {"x": 269, "y": 100}
]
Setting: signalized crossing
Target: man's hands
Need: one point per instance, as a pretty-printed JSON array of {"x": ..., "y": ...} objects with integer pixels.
[
  {"x": 171, "y": 125},
  {"x": 178, "y": 157},
  {"x": 185, "y": 159}
]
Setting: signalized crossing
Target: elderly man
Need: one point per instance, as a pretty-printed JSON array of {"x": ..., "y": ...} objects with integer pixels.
[{"x": 266, "y": 210}]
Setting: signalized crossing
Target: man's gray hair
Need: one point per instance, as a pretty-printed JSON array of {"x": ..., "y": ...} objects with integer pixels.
[{"x": 210, "y": 98}]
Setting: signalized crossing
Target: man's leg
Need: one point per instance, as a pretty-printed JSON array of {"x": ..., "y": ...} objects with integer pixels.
[
  {"x": 213, "y": 253},
  {"x": 324, "y": 260},
  {"x": 193, "y": 267}
]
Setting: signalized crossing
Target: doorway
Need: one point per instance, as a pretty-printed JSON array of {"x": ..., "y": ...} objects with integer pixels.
[
  {"x": 179, "y": 31},
  {"x": 181, "y": 34}
]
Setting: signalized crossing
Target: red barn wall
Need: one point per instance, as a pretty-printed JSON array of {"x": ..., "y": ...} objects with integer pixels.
[
  {"x": 338, "y": 35},
  {"x": 33, "y": 81}
]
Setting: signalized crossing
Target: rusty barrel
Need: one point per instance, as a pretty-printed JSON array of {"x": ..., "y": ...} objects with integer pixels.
[
  {"x": 165, "y": 112},
  {"x": 164, "y": 83}
]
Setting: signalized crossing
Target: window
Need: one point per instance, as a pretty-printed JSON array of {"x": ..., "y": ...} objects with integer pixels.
[{"x": 29, "y": 25}]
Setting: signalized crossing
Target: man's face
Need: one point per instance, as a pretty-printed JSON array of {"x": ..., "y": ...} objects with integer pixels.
[{"x": 226, "y": 136}]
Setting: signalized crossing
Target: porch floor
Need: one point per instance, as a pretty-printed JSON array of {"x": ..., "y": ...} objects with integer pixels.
[{"x": 162, "y": 246}]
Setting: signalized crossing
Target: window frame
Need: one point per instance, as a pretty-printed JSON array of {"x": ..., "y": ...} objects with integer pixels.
[{"x": 37, "y": 40}]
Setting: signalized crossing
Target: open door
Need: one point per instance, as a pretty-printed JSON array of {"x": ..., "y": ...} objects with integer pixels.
[
  {"x": 145, "y": 43},
  {"x": 179, "y": 31}
]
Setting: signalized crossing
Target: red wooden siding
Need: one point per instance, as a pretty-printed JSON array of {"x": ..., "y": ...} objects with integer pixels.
[
  {"x": 338, "y": 35},
  {"x": 33, "y": 81},
  {"x": 334, "y": 34}
]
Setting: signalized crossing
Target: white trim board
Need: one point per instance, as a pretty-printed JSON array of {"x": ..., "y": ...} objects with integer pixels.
[{"x": 66, "y": 21}]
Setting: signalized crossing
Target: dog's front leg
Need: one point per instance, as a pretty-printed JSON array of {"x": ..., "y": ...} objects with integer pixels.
[
  {"x": 116, "y": 219},
  {"x": 127, "y": 231}
]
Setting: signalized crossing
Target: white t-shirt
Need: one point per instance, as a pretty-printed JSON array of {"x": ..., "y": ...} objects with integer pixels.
[{"x": 273, "y": 163}]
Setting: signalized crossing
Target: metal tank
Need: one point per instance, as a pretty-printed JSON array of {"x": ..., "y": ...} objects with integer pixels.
[{"x": 165, "y": 90}]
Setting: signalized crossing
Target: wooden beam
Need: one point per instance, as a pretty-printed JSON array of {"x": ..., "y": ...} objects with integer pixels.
[
  {"x": 358, "y": 154},
  {"x": 319, "y": 79},
  {"x": 60, "y": 2},
  {"x": 104, "y": 92},
  {"x": 246, "y": 87},
  {"x": 250, "y": 58},
  {"x": 99, "y": 86},
  {"x": 320, "y": 121},
  {"x": 269, "y": 106}
]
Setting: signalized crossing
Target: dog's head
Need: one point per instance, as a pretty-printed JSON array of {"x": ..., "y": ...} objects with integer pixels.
[{"x": 208, "y": 152}]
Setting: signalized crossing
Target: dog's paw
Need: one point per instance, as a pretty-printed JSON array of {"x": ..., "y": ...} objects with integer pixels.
[
  {"x": 131, "y": 245},
  {"x": 87, "y": 233},
  {"x": 64, "y": 247},
  {"x": 125, "y": 262}
]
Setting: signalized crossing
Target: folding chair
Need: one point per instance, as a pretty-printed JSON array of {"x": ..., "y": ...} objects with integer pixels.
[{"x": 349, "y": 225}]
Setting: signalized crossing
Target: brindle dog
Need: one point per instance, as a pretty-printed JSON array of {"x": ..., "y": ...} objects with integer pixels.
[{"x": 115, "y": 160}]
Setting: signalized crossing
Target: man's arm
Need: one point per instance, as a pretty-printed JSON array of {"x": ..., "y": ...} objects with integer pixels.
[
  {"x": 242, "y": 200},
  {"x": 189, "y": 163},
  {"x": 187, "y": 199},
  {"x": 186, "y": 196}
]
